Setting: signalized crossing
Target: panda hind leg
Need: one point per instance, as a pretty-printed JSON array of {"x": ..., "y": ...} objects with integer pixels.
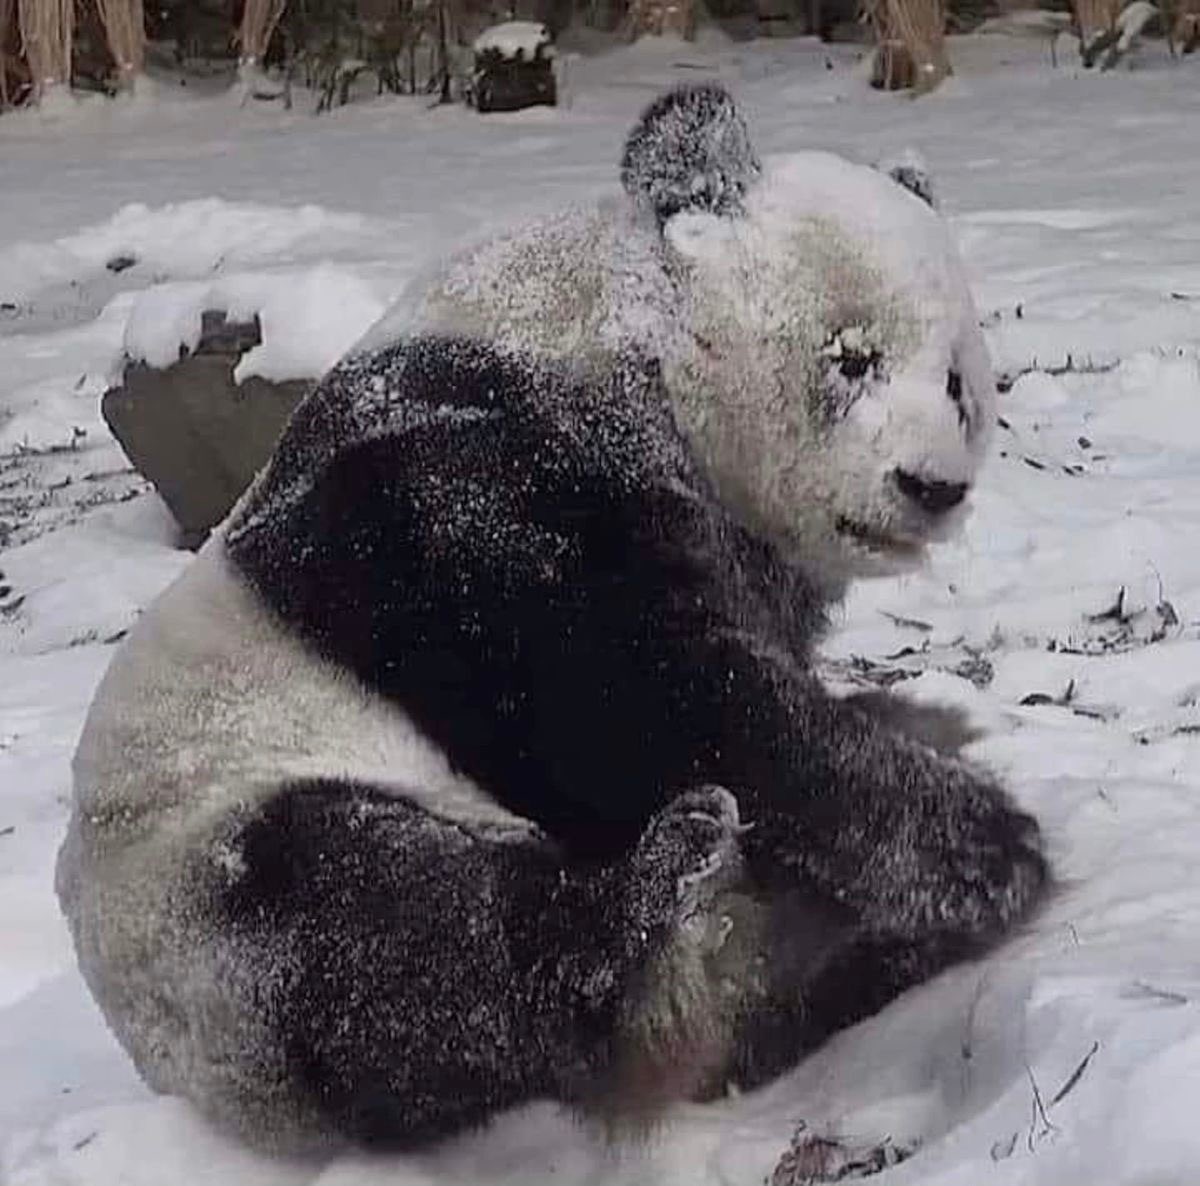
[{"x": 417, "y": 976}]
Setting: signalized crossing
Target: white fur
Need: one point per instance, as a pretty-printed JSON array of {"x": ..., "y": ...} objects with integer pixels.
[
  {"x": 207, "y": 707},
  {"x": 212, "y": 701},
  {"x": 739, "y": 310}
]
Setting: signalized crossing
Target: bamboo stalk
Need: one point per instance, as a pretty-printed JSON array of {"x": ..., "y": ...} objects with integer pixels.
[
  {"x": 46, "y": 28},
  {"x": 125, "y": 30}
]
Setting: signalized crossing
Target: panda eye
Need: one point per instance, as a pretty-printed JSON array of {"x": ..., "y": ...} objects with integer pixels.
[
  {"x": 851, "y": 356},
  {"x": 855, "y": 366}
]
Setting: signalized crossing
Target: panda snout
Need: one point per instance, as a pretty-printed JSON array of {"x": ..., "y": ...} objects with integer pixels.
[{"x": 933, "y": 496}]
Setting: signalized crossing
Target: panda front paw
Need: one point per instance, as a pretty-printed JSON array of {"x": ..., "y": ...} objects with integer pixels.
[{"x": 687, "y": 856}]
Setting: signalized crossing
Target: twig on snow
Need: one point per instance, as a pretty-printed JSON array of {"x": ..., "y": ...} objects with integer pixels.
[
  {"x": 1075, "y": 1075},
  {"x": 1038, "y": 1114}
]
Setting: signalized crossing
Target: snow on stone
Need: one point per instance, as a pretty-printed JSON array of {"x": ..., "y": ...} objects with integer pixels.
[
  {"x": 309, "y": 320},
  {"x": 1064, "y": 621},
  {"x": 514, "y": 39}
]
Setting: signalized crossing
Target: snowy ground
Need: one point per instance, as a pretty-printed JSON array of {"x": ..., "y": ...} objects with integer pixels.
[{"x": 1073, "y": 1056}]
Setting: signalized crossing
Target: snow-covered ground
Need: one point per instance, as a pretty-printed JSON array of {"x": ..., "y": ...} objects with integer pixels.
[{"x": 1072, "y": 1056}]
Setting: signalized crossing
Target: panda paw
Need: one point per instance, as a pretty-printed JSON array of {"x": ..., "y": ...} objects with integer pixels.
[
  {"x": 982, "y": 865},
  {"x": 688, "y": 855}
]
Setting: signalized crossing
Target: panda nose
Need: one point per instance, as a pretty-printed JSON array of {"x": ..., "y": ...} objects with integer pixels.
[{"x": 933, "y": 497}]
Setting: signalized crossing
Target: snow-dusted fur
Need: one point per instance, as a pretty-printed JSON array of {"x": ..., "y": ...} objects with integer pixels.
[
  {"x": 407, "y": 803},
  {"x": 815, "y": 330}
]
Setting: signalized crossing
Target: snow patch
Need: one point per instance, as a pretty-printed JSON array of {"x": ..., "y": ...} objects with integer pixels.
[
  {"x": 309, "y": 320},
  {"x": 514, "y": 39}
]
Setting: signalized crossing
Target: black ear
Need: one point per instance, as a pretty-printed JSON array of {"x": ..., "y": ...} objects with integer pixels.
[{"x": 690, "y": 151}]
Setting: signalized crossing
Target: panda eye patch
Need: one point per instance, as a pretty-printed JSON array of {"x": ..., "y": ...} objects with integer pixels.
[{"x": 851, "y": 355}]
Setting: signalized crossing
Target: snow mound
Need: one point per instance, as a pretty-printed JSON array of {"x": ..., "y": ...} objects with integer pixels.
[{"x": 181, "y": 239}]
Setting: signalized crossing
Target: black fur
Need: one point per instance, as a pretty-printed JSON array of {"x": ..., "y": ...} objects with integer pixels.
[
  {"x": 533, "y": 567},
  {"x": 690, "y": 150},
  {"x": 438, "y": 973}
]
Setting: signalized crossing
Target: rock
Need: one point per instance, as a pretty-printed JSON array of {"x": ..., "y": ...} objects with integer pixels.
[{"x": 193, "y": 432}]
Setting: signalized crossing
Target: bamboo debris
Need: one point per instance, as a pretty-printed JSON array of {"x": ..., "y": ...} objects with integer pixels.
[{"x": 125, "y": 29}]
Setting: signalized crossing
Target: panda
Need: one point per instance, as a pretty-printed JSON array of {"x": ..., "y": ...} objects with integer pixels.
[{"x": 479, "y": 757}]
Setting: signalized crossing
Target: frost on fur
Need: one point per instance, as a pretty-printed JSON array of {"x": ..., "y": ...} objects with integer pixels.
[
  {"x": 387, "y": 814},
  {"x": 690, "y": 150}
]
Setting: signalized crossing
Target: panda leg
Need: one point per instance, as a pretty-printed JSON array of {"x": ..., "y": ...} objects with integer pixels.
[
  {"x": 416, "y": 976},
  {"x": 852, "y": 976}
]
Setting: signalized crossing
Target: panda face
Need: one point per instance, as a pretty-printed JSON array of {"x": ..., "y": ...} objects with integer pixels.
[{"x": 831, "y": 375}]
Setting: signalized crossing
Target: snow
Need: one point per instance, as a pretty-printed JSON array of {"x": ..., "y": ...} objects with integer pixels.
[
  {"x": 515, "y": 38},
  {"x": 1082, "y": 234},
  {"x": 309, "y": 319}
]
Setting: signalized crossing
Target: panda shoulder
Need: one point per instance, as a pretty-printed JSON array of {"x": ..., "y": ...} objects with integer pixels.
[{"x": 543, "y": 288}]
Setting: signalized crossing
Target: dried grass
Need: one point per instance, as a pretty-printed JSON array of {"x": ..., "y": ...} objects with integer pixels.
[
  {"x": 125, "y": 30},
  {"x": 46, "y": 29},
  {"x": 8, "y": 17},
  {"x": 656, "y": 18},
  {"x": 910, "y": 38},
  {"x": 1095, "y": 17}
]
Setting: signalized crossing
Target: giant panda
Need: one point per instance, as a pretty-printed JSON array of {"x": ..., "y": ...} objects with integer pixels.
[{"x": 478, "y": 757}]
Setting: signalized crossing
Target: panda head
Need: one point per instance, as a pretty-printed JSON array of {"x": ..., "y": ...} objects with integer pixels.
[{"x": 825, "y": 360}]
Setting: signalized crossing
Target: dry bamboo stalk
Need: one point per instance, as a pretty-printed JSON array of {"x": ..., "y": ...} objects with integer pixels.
[
  {"x": 259, "y": 19},
  {"x": 1183, "y": 26},
  {"x": 1096, "y": 17},
  {"x": 8, "y": 13},
  {"x": 125, "y": 29},
  {"x": 657, "y": 18},
  {"x": 46, "y": 29},
  {"x": 911, "y": 33}
]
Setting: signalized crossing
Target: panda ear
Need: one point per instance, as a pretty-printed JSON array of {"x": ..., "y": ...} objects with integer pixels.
[
  {"x": 908, "y": 170},
  {"x": 690, "y": 151}
]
